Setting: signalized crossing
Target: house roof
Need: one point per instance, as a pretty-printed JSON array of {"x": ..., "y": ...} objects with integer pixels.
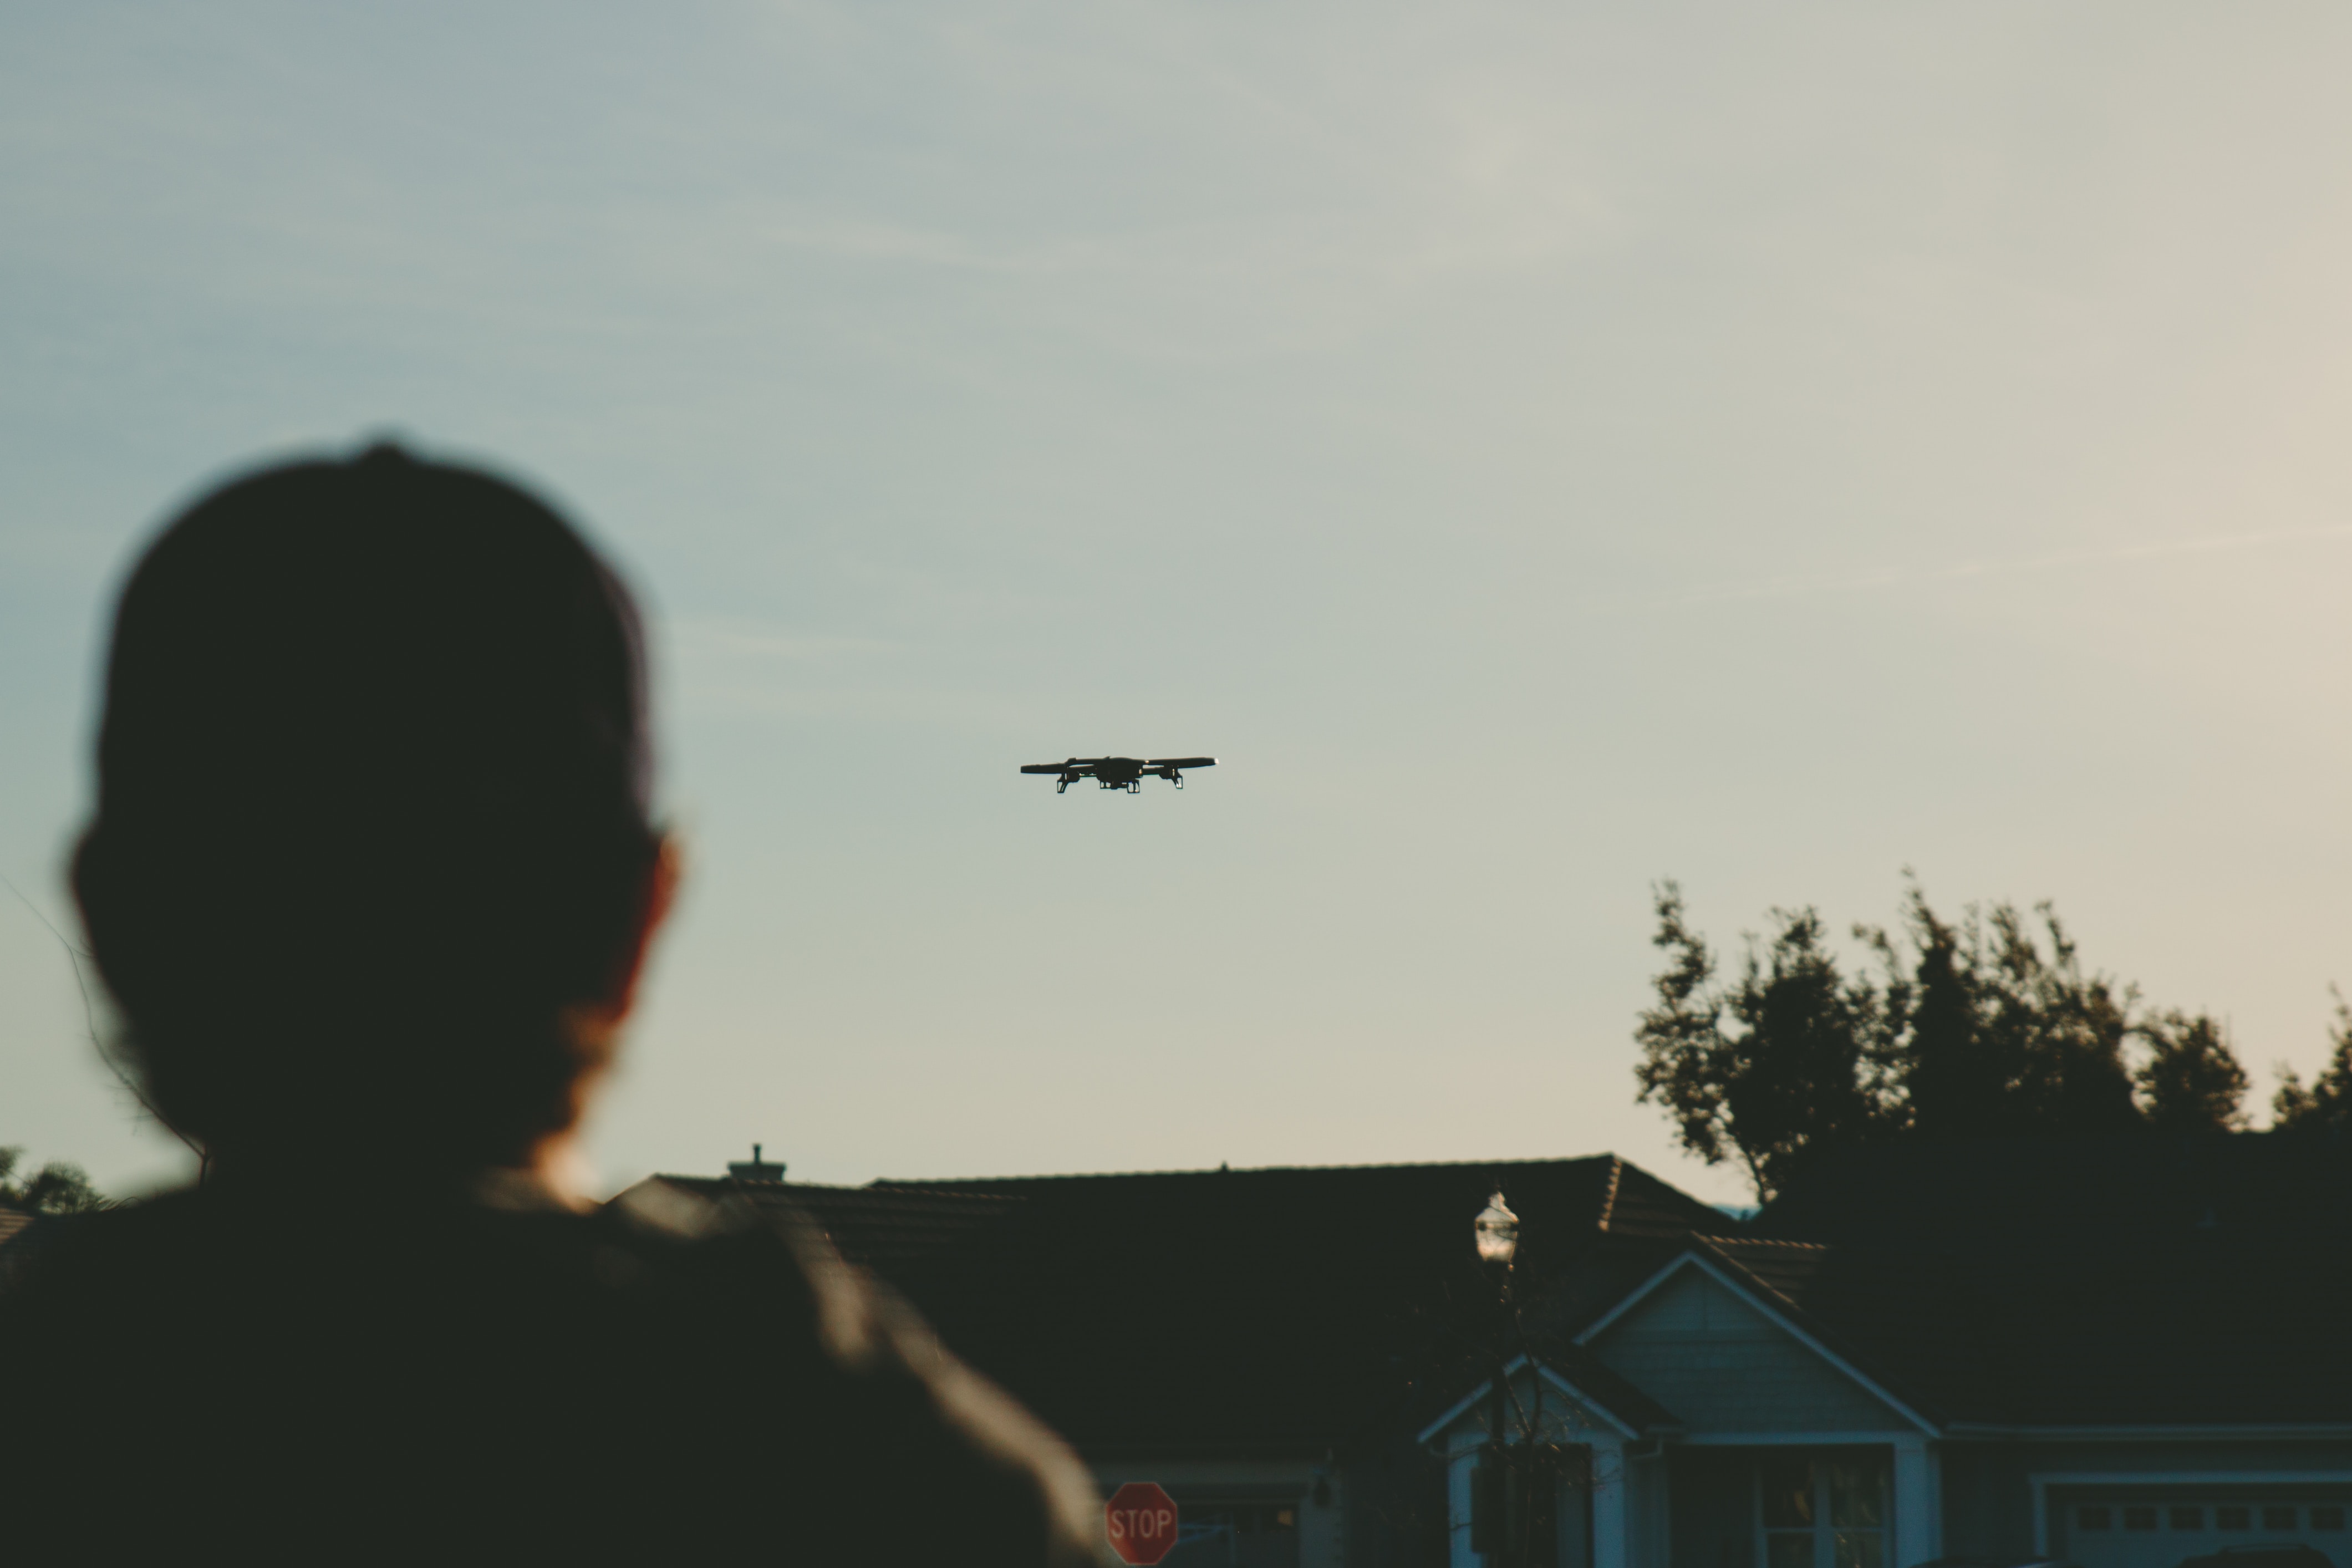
[
  {"x": 2128, "y": 1282},
  {"x": 2134, "y": 1281},
  {"x": 880, "y": 1228},
  {"x": 1282, "y": 1310},
  {"x": 23, "y": 1233}
]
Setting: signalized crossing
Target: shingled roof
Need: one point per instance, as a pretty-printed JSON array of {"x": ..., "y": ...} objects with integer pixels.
[
  {"x": 1271, "y": 1310},
  {"x": 886, "y": 1229},
  {"x": 2015, "y": 1284},
  {"x": 2120, "y": 1281}
]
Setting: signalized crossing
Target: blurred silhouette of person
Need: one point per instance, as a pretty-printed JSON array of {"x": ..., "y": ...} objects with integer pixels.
[{"x": 371, "y": 879}]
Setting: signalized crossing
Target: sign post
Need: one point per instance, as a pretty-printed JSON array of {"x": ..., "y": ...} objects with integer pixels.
[{"x": 1141, "y": 1520}]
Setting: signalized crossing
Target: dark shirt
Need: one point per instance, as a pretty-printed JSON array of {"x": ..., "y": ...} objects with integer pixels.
[{"x": 294, "y": 1375}]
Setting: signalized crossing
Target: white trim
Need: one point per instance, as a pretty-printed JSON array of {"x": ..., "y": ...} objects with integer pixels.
[
  {"x": 1919, "y": 1533},
  {"x": 1606, "y": 1496},
  {"x": 1633, "y": 1297},
  {"x": 1586, "y": 1402},
  {"x": 2041, "y": 1482},
  {"x": 1693, "y": 1260},
  {"x": 1458, "y": 1505},
  {"x": 2315, "y": 1430},
  {"x": 1461, "y": 1407}
]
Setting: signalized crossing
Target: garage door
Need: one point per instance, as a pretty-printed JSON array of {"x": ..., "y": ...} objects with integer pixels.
[{"x": 2159, "y": 1526}]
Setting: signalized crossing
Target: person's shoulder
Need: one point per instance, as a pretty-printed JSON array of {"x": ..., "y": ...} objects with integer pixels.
[
  {"x": 718, "y": 1239},
  {"x": 58, "y": 1252},
  {"x": 733, "y": 1249},
  {"x": 669, "y": 1212},
  {"x": 894, "y": 1401}
]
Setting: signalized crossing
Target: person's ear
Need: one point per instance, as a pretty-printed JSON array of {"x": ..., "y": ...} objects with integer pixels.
[
  {"x": 653, "y": 907},
  {"x": 594, "y": 1025}
]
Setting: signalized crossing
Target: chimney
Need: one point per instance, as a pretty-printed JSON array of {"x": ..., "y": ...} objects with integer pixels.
[{"x": 755, "y": 1169}]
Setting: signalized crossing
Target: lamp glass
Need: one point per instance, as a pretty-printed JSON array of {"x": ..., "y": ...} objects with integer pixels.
[{"x": 1497, "y": 1230}]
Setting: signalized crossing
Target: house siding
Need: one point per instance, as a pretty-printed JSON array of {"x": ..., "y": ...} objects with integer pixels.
[
  {"x": 1722, "y": 1366},
  {"x": 1989, "y": 1487}
]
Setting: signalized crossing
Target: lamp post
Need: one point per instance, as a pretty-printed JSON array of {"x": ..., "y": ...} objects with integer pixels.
[{"x": 1497, "y": 1230}]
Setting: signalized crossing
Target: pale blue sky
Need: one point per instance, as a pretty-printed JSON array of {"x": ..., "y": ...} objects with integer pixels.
[{"x": 1540, "y": 448}]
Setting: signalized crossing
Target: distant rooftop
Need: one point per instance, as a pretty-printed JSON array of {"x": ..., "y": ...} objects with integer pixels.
[{"x": 1295, "y": 1304}]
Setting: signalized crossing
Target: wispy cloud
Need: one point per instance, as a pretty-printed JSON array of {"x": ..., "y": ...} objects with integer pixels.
[
  {"x": 1793, "y": 586},
  {"x": 753, "y": 640}
]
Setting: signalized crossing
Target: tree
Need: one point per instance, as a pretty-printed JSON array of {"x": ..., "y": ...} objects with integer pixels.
[
  {"x": 1683, "y": 1065},
  {"x": 2327, "y": 1103},
  {"x": 1798, "y": 1071},
  {"x": 1950, "y": 1080},
  {"x": 1986, "y": 1026},
  {"x": 2190, "y": 1081},
  {"x": 2048, "y": 1039},
  {"x": 58, "y": 1187}
]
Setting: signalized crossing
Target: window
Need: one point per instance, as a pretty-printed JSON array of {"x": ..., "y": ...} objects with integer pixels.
[
  {"x": 2277, "y": 1522},
  {"x": 1515, "y": 1510},
  {"x": 1827, "y": 1512},
  {"x": 1251, "y": 1534}
]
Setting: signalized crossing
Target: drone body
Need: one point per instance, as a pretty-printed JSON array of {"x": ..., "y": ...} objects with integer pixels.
[{"x": 1120, "y": 772}]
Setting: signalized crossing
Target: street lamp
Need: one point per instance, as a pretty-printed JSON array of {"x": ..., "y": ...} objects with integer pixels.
[{"x": 1497, "y": 1232}]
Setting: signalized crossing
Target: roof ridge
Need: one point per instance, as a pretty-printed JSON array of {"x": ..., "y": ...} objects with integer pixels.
[
  {"x": 1242, "y": 1170},
  {"x": 1609, "y": 1196},
  {"x": 1786, "y": 1302},
  {"x": 904, "y": 1188},
  {"x": 908, "y": 1189},
  {"x": 1759, "y": 1241}
]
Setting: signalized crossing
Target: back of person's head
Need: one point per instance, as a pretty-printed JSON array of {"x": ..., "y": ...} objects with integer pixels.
[{"x": 371, "y": 827}]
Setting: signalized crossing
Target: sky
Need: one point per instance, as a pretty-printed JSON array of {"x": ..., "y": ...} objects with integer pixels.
[{"x": 1538, "y": 448}]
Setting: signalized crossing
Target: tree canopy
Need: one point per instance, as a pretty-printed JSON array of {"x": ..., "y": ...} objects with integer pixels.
[
  {"x": 2328, "y": 1101},
  {"x": 58, "y": 1188},
  {"x": 1986, "y": 1025}
]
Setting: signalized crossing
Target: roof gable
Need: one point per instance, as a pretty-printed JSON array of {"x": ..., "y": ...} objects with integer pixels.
[
  {"x": 1596, "y": 1398},
  {"x": 1727, "y": 1361}
]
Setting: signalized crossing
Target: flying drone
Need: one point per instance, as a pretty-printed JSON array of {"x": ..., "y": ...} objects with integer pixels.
[{"x": 1120, "y": 772}]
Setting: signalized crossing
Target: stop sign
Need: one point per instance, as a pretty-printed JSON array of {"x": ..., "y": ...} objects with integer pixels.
[{"x": 1142, "y": 1520}]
